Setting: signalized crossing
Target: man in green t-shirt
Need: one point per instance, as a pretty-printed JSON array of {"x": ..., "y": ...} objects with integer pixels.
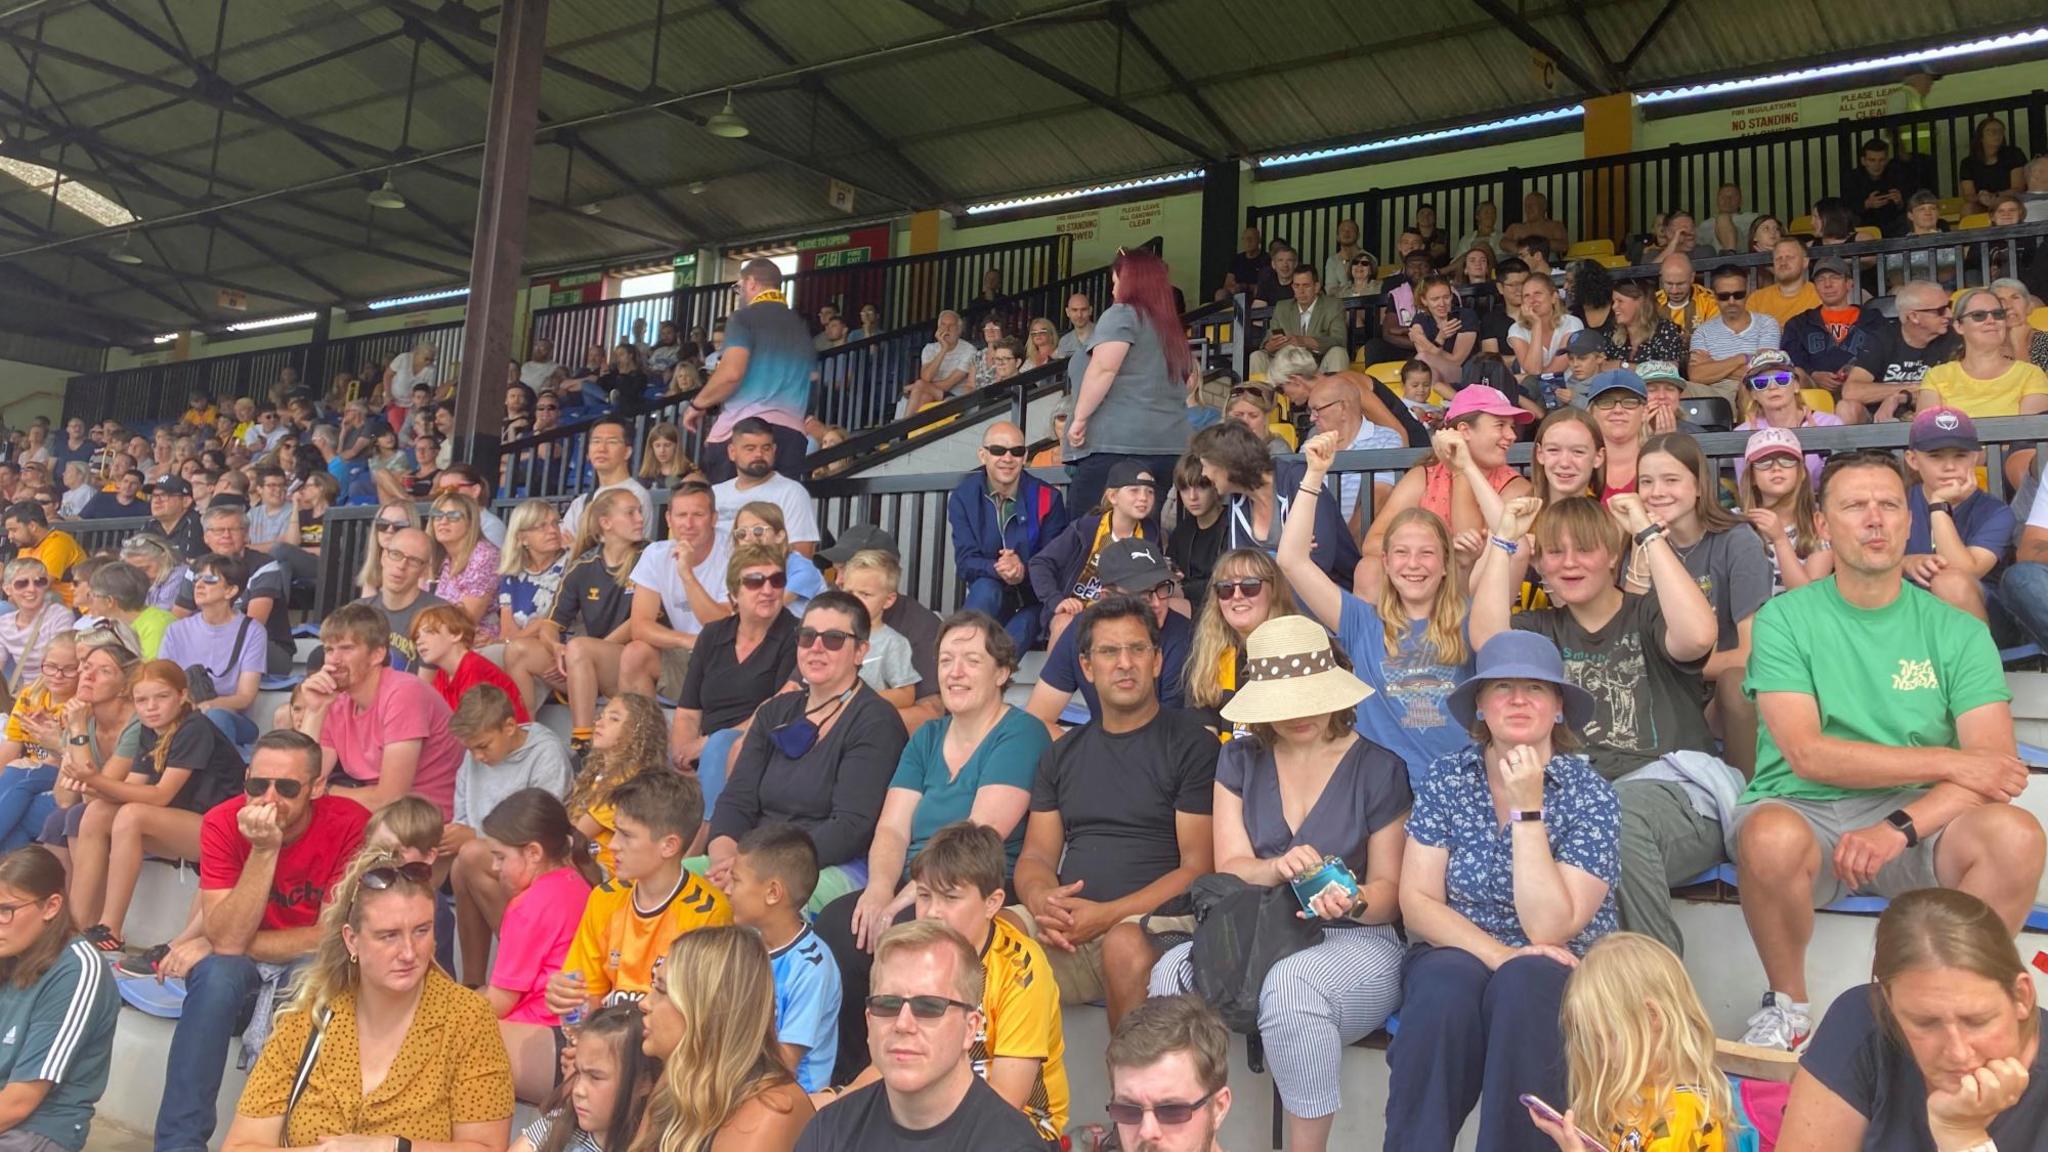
[{"x": 1885, "y": 761}]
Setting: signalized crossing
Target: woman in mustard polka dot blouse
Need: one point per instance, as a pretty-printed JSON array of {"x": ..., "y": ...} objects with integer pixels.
[{"x": 404, "y": 1060}]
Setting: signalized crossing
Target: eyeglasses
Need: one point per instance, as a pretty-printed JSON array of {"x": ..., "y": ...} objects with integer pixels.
[
  {"x": 1763, "y": 380},
  {"x": 1776, "y": 463},
  {"x": 1725, "y": 297},
  {"x": 7, "y": 911},
  {"x": 757, "y": 532},
  {"x": 832, "y": 638},
  {"x": 1232, "y": 589},
  {"x": 384, "y": 526},
  {"x": 1625, "y": 401},
  {"x": 50, "y": 669},
  {"x": 379, "y": 879},
  {"x": 448, "y": 515},
  {"x": 1168, "y": 1115},
  {"x": 1979, "y": 315},
  {"x": 1114, "y": 652},
  {"x": 27, "y": 582},
  {"x": 394, "y": 556},
  {"x": 922, "y": 1007},
  {"x": 256, "y": 786},
  {"x": 1001, "y": 450},
  {"x": 755, "y": 581}
]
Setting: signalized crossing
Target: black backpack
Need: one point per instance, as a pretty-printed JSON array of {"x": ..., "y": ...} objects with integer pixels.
[{"x": 1241, "y": 931}]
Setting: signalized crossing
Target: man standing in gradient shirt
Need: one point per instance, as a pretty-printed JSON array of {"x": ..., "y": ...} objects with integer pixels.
[{"x": 764, "y": 372}]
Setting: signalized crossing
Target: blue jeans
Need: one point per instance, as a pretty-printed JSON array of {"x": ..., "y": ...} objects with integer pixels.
[
  {"x": 1011, "y": 606},
  {"x": 239, "y": 729},
  {"x": 220, "y": 994},
  {"x": 1470, "y": 1035},
  {"x": 2023, "y": 594},
  {"x": 711, "y": 764},
  {"x": 21, "y": 785}
]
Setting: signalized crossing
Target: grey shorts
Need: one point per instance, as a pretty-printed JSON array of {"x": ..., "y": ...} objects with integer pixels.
[{"x": 1832, "y": 819}]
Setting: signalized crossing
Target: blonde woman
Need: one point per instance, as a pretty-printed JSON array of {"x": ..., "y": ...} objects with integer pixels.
[
  {"x": 465, "y": 564},
  {"x": 530, "y": 569},
  {"x": 710, "y": 1020},
  {"x": 664, "y": 465},
  {"x": 38, "y": 616},
  {"x": 596, "y": 591},
  {"x": 393, "y": 517},
  {"x": 377, "y": 1041},
  {"x": 1041, "y": 344},
  {"x": 33, "y": 745},
  {"x": 1245, "y": 590}
]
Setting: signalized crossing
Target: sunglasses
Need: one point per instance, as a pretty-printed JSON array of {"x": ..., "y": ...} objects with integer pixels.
[
  {"x": 447, "y": 515},
  {"x": 1168, "y": 1115},
  {"x": 379, "y": 879},
  {"x": 1775, "y": 463},
  {"x": 384, "y": 526},
  {"x": 256, "y": 786},
  {"x": 922, "y": 1007},
  {"x": 1000, "y": 450},
  {"x": 1979, "y": 315},
  {"x": 27, "y": 582},
  {"x": 754, "y": 581},
  {"x": 1243, "y": 390},
  {"x": 1610, "y": 400},
  {"x": 833, "y": 639},
  {"x": 1232, "y": 589},
  {"x": 1763, "y": 380},
  {"x": 1725, "y": 297},
  {"x": 209, "y": 578}
]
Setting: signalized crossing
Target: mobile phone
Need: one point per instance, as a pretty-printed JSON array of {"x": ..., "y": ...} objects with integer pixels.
[{"x": 1535, "y": 1104}]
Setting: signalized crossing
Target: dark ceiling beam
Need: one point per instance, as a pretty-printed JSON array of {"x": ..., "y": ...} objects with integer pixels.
[
  {"x": 1609, "y": 74},
  {"x": 252, "y": 82},
  {"x": 816, "y": 85},
  {"x": 1648, "y": 37},
  {"x": 1528, "y": 34},
  {"x": 1009, "y": 50},
  {"x": 1121, "y": 16}
]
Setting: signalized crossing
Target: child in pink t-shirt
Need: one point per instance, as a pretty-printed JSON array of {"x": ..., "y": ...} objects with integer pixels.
[{"x": 540, "y": 858}]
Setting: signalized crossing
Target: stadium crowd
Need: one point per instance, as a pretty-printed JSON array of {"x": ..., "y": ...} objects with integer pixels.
[{"x": 1310, "y": 754}]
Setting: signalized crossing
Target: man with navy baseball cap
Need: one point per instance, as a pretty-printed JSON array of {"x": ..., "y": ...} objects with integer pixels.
[{"x": 1132, "y": 567}]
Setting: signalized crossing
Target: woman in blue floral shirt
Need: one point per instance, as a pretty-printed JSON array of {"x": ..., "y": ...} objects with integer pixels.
[{"x": 1509, "y": 878}]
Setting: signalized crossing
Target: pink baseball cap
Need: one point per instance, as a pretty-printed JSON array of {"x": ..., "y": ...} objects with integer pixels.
[
  {"x": 1474, "y": 399},
  {"x": 1770, "y": 442}
]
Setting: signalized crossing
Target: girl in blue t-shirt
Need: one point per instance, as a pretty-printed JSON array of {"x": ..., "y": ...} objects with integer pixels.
[{"x": 1411, "y": 646}]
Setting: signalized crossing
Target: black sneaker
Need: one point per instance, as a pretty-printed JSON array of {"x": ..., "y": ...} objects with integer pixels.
[
  {"x": 139, "y": 965},
  {"x": 102, "y": 937}
]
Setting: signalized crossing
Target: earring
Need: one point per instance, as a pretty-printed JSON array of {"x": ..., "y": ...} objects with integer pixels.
[
  {"x": 351, "y": 957},
  {"x": 1478, "y": 714}
]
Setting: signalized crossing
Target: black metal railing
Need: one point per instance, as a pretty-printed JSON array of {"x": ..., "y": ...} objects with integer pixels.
[
  {"x": 1782, "y": 172},
  {"x": 366, "y": 357},
  {"x": 554, "y": 463}
]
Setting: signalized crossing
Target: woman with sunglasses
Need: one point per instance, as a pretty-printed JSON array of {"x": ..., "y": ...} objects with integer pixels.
[
  {"x": 33, "y": 746},
  {"x": 393, "y": 516},
  {"x": 761, "y": 522},
  {"x": 1987, "y": 379},
  {"x": 150, "y": 798},
  {"x": 95, "y": 720},
  {"x": 402, "y": 1049},
  {"x": 221, "y": 644},
  {"x": 1362, "y": 277},
  {"x": 1245, "y": 590},
  {"x": 1252, "y": 406},
  {"x": 664, "y": 464},
  {"x": 1041, "y": 344},
  {"x": 58, "y": 995},
  {"x": 819, "y": 758},
  {"x": 741, "y": 662},
  {"x": 1771, "y": 398},
  {"x": 37, "y": 617},
  {"x": 596, "y": 592},
  {"x": 530, "y": 572},
  {"x": 710, "y": 1020},
  {"x": 465, "y": 564}
]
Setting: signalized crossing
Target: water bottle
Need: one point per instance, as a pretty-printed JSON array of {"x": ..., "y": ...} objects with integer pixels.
[
  {"x": 1084, "y": 1138},
  {"x": 574, "y": 1016}
]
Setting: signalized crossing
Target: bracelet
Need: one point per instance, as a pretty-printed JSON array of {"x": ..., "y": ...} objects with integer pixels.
[
  {"x": 1504, "y": 544},
  {"x": 1306, "y": 490},
  {"x": 1654, "y": 531}
]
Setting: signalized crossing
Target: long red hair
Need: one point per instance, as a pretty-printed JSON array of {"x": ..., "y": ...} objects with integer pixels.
[{"x": 1142, "y": 283}]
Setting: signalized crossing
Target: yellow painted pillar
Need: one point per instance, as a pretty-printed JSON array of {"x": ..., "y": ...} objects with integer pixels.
[
  {"x": 924, "y": 232},
  {"x": 1609, "y": 130}
]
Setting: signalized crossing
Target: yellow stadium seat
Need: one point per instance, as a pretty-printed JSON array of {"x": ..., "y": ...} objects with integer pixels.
[
  {"x": 1975, "y": 220},
  {"x": 1952, "y": 207},
  {"x": 2038, "y": 319},
  {"x": 1387, "y": 372},
  {"x": 935, "y": 425},
  {"x": 1800, "y": 226},
  {"x": 1285, "y": 432},
  {"x": 1818, "y": 399},
  {"x": 1585, "y": 249},
  {"x": 1611, "y": 261},
  {"x": 1868, "y": 233}
]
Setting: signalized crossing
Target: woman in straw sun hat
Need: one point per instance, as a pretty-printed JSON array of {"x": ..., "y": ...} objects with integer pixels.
[
  {"x": 1509, "y": 878},
  {"x": 1305, "y": 787}
]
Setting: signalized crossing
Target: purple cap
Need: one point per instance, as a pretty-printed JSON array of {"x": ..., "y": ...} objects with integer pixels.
[{"x": 1938, "y": 428}]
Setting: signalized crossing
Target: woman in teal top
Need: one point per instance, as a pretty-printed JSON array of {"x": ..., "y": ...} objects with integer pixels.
[{"x": 974, "y": 763}]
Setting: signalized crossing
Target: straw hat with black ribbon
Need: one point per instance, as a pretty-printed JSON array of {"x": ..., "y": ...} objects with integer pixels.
[{"x": 1290, "y": 673}]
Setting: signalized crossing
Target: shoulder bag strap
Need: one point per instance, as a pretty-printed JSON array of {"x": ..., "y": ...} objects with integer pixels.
[
  {"x": 234, "y": 657},
  {"x": 307, "y": 1059}
]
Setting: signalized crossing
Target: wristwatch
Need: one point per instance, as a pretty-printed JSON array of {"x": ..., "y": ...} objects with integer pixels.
[
  {"x": 1525, "y": 816},
  {"x": 1649, "y": 533},
  {"x": 1904, "y": 823},
  {"x": 1941, "y": 506},
  {"x": 78, "y": 741}
]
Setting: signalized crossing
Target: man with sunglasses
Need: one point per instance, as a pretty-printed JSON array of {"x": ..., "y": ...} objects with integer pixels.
[
  {"x": 1881, "y": 384},
  {"x": 999, "y": 514},
  {"x": 1132, "y": 568},
  {"x": 923, "y": 1015},
  {"x": 267, "y": 860},
  {"x": 1169, "y": 1073},
  {"x": 1722, "y": 346}
]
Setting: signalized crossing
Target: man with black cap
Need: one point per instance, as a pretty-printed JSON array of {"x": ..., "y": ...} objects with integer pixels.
[
  {"x": 1133, "y": 567},
  {"x": 1825, "y": 340},
  {"x": 170, "y": 504},
  {"x": 917, "y": 623},
  {"x": 124, "y": 500}
]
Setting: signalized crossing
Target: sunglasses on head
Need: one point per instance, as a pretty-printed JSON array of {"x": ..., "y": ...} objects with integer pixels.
[
  {"x": 256, "y": 786},
  {"x": 1763, "y": 380},
  {"x": 832, "y": 638},
  {"x": 1016, "y": 450},
  {"x": 1168, "y": 1115},
  {"x": 922, "y": 1007},
  {"x": 379, "y": 879},
  {"x": 754, "y": 581},
  {"x": 1232, "y": 589}
]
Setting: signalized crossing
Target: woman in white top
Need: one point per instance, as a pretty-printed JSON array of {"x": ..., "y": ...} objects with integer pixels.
[
  {"x": 1540, "y": 333},
  {"x": 408, "y": 370},
  {"x": 38, "y": 616}
]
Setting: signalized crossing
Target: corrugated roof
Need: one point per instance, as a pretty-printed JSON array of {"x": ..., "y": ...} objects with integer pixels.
[{"x": 918, "y": 103}]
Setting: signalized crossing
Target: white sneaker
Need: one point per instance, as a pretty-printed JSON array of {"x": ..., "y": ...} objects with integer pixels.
[{"x": 1778, "y": 1024}]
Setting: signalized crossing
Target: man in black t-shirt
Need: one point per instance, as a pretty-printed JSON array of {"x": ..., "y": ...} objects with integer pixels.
[
  {"x": 170, "y": 502},
  {"x": 1882, "y": 381},
  {"x": 923, "y": 1013},
  {"x": 1508, "y": 277},
  {"x": 1119, "y": 823}
]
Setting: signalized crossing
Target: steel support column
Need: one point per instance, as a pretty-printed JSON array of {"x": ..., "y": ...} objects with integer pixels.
[{"x": 495, "y": 280}]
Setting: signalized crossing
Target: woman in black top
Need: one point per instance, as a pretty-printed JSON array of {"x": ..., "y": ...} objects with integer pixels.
[
  {"x": 740, "y": 662},
  {"x": 596, "y": 591},
  {"x": 1992, "y": 168},
  {"x": 150, "y": 797},
  {"x": 625, "y": 380},
  {"x": 1641, "y": 330},
  {"x": 819, "y": 758}
]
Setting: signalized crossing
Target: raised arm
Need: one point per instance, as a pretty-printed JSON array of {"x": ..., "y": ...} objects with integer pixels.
[
  {"x": 1493, "y": 589},
  {"x": 1317, "y": 592},
  {"x": 1690, "y": 630}
]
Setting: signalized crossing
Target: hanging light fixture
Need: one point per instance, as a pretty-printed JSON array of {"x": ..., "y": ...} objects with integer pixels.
[
  {"x": 385, "y": 195},
  {"x": 726, "y": 123},
  {"x": 122, "y": 253}
]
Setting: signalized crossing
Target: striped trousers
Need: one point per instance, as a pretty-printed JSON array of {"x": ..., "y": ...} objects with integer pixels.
[{"x": 1313, "y": 1004}]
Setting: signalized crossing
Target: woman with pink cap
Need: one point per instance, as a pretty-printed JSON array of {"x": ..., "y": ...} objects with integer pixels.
[
  {"x": 1777, "y": 500},
  {"x": 1467, "y": 482}
]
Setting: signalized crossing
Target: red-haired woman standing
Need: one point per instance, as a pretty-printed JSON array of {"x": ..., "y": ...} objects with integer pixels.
[{"x": 1129, "y": 383}]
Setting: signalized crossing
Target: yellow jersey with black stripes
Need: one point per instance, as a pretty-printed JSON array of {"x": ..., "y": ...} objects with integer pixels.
[
  {"x": 1020, "y": 1011},
  {"x": 617, "y": 943}
]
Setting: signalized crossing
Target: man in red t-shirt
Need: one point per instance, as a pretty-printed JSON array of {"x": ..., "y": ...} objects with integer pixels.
[{"x": 266, "y": 864}]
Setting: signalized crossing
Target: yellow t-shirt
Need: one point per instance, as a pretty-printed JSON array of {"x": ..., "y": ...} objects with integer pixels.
[
  {"x": 31, "y": 702},
  {"x": 1684, "y": 1128},
  {"x": 1998, "y": 396},
  {"x": 1020, "y": 1005},
  {"x": 616, "y": 945},
  {"x": 1768, "y": 301},
  {"x": 58, "y": 552}
]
